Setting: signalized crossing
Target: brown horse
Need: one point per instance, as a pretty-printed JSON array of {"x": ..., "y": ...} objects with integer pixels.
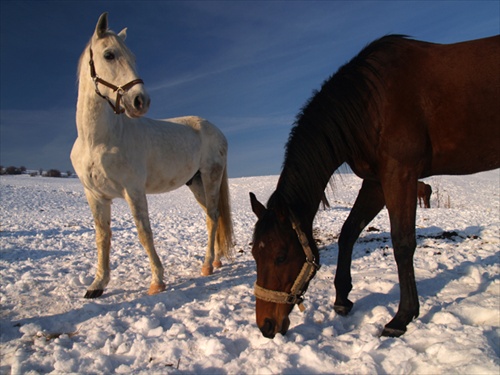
[
  {"x": 424, "y": 193},
  {"x": 399, "y": 111}
]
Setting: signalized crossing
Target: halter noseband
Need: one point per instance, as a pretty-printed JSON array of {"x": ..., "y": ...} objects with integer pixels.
[
  {"x": 120, "y": 90},
  {"x": 296, "y": 295}
]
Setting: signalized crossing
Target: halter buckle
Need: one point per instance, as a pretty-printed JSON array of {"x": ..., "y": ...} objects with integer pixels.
[
  {"x": 294, "y": 299},
  {"x": 313, "y": 263}
]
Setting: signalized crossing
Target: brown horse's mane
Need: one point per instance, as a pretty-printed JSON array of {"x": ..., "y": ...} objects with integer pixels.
[{"x": 332, "y": 128}]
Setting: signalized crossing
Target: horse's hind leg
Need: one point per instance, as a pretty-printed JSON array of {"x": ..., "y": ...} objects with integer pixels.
[
  {"x": 368, "y": 204},
  {"x": 205, "y": 188},
  {"x": 139, "y": 206},
  {"x": 101, "y": 211}
]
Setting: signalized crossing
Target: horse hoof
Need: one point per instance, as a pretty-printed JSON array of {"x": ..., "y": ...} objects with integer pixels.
[
  {"x": 392, "y": 332},
  {"x": 217, "y": 264},
  {"x": 156, "y": 288},
  {"x": 207, "y": 270},
  {"x": 93, "y": 293},
  {"x": 343, "y": 310}
]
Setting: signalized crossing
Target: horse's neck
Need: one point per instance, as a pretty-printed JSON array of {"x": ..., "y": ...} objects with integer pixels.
[
  {"x": 301, "y": 195},
  {"x": 308, "y": 167},
  {"x": 94, "y": 117}
]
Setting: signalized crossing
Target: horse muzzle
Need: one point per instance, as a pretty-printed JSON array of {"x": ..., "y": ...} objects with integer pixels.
[
  {"x": 272, "y": 318},
  {"x": 270, "y": 327},
  {"x": 136, "y": 104}
]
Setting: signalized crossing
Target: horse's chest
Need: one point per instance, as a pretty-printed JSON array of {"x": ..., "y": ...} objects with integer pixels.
[{"x": 98, "y": 173}]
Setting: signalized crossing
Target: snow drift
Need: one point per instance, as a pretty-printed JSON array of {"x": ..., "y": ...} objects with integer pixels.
[{"x": 207, "y": 324}]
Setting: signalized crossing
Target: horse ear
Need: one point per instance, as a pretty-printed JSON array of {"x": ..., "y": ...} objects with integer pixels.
[
  {"x": 123, "y": 34},
  {"x": 257, "y": 207},
  {"x": 102, "y": 25}
]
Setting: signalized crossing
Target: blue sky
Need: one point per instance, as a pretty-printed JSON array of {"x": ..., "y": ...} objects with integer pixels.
[{"x": 247, "y": 66}]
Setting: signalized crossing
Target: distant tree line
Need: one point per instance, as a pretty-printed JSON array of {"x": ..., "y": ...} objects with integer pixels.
[{"x": 22, "y": 170}]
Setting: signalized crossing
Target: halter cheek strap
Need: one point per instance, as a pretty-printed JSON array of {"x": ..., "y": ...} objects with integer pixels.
[
  {"x": 296, "y": 294},
  {"x": 120, "y": 90}
]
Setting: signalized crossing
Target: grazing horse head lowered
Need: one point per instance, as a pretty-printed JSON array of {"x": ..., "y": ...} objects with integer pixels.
[
  {"x": 286, "y": 251},
  {"x": 399, "y": 111}
]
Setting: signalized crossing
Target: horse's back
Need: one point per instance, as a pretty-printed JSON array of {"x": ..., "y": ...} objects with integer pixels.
[
  {"x": 446, "y": 97},
  {"x": 182, "y": 147},
  {"x": 213, "y": 141}
]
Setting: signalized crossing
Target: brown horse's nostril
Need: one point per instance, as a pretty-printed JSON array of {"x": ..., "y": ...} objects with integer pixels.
[{"x": 268, "y": 328}]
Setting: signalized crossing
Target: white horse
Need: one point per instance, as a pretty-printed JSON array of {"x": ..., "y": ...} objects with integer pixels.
[{"x": 119, "y": 154}]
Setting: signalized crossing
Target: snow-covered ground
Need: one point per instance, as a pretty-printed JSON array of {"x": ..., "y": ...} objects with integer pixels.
[{"x": 206, "y": 325}]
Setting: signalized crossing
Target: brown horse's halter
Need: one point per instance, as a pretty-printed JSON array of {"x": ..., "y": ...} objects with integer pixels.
[
  {"x": 120, "y": 90},
  {"x": 296, "y": 295}
]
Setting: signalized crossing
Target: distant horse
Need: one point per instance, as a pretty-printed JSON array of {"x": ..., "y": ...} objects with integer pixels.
[
  {"x": 424, "y": 192},
  {"x": 399, "y": 111},
  {"x": 119, "y": 154}
]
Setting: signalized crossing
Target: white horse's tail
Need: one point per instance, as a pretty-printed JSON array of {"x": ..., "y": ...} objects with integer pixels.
[{"x": 224, "y": 235}]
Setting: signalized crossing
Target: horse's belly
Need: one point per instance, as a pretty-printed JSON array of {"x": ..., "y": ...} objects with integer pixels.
[
  {"x": 161, "y": 182},
  {"x": 158, "y": 185}
]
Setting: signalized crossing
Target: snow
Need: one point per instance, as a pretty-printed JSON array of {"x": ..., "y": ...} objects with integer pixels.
[{"x": 207, "y": 324}]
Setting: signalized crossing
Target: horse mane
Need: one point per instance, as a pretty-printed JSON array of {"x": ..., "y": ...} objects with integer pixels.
[
  {"x": 81, "y": 61},
  {"x": 332, "y": 128}
]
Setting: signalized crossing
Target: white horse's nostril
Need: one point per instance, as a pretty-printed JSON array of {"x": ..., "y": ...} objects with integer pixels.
[
  {"x": 138, "y": 102},
  {"x": 141, "y": 102}
]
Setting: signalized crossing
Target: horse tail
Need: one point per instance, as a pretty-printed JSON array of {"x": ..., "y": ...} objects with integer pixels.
[{"x": 224, "y": 235}]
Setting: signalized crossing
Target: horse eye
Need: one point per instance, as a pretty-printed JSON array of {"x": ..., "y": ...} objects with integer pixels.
[
  {"x": 281, "y": 259},
  {"x": 109, "y": 56}
]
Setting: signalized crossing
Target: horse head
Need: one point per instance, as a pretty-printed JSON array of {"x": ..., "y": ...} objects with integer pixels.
[
  {"x": 112, "y": 68},
  {"x": 285, "y": 265}
]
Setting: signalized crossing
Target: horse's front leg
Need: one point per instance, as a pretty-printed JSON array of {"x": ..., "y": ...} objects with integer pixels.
[
  {"x": 368, "y": 204},
  {"x": 139, "y": 207},
  {"x": 401, "y": 204},
  {"x": 101, "y": 211}
]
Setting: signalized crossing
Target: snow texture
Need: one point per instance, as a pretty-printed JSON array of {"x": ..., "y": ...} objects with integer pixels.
[{"x": 203, "y": 325}]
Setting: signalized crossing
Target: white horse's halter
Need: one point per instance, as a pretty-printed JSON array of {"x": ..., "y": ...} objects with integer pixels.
[
  {"x": 120, "y": 90},
  {"x": 296, "y": 294}
]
